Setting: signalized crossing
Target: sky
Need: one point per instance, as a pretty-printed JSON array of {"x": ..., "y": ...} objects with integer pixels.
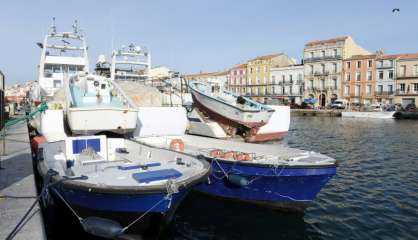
[{"x": 190, "y": 36}]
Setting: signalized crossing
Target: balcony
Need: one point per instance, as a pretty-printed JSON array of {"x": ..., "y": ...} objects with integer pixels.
[
  {"x": 407, "y": 75},
  {"x": 406, "y": 93},
  {"x": 384, "y": 65},
  {"x": 383, "y": 93},
  {"x": 324, "y": 58},
  {"x": 322, "y": 73}
]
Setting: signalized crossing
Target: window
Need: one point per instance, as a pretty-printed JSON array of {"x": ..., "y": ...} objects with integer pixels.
[
  {"x": 402, "y": 87},
  {"x": 347, "y": 90},
  {"x": 251, "y": 70},
  {"x": 369, "y": 75},
  {"x": 358, "y": 64},
  {"x": 390, "y": 74},
  {"x": 311, "y": 83},
  {"x": 334, "y": 68},
  {"x": 300, "y": 78},
  {"x": 334, "y": 84},
  {"x": 368, "y": 89},
  {"x": 370, "y": 63},
  {"x": 311, "y": 69},
  {"x": 322, "y": 53},
  {"x": 357, "y": 90},
  {"x": 266, "y": 80},
  {"x": 348, "y": 65},
  {"x": 258, "y": 80},
  {"x": 380, "y": 75},
  {"x": 380, "y": 89},
  {"x": 240, "y": 81},
  {"x": 57, "y": 83},
  {"x": 72, "y": 69},
  {"x": 265, "y": 68},
  {"x": 380, "y": 63},
  {"x": 415, "y": 87},
  {"x": 283, "y": 78},
  {"x": 273, "y": 79},
  {"x": 240, "y": 72},
  {"x": 347, "y": 76},
  {"x": 265, "y": 91},
  {"x": 258, "y": 69},
  {"x": 390, "y": 89},
  {"x": 290, "y": 78},
  {"x": 358, "y": 76},
  {"x": 56, "y": 68},
  {"x": 322, "y": 84},
  {"x": 312, "y": 55},
  {"x": 322, "y": 68},
  {"x": 235, "y": 72},
  {"x": 416, "y": 70},
  {"x": 335, "y": 52}
]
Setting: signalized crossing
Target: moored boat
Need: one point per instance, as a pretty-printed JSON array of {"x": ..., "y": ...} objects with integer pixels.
[
  {"x": 269, "y": 175},
  {"x": 235, "y": 113},
  {"x": 118, "y": 180}
]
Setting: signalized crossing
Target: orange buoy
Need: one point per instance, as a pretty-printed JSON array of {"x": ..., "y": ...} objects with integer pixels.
[
  {"x": 229, "y": 155},
  {"x": 243, "y": 157},
  {"x": 34, "y": 144},
  {"x": 216, "y": 153},
  {"x": 177, "y": 145}
]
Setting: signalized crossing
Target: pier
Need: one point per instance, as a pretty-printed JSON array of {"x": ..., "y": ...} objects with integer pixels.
[{"x": 17, "y": 186}]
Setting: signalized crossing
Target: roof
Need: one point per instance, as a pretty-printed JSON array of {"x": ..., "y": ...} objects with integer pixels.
[
  {"x": 327, "y": 41},
  {"x": 266, "y": 57},
  {"x": 361, "y": 57},
  {"x": 244, "y": 65},
  {"x": 400, "y": 56}
]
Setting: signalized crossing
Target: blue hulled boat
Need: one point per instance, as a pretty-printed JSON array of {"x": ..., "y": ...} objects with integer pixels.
[
  {"x": 133, "y": 185},
  {"x": 269, "y": 175}
]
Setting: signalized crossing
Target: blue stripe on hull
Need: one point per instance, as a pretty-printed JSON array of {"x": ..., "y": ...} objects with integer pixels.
[
  {"x": 134, "y": 203},
  {"x": 268, "y": 185}
]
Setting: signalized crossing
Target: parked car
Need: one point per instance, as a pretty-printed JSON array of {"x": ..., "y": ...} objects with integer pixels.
[
  {"x": 411, "y": 107},
  {"x": 339, "y": 104}
]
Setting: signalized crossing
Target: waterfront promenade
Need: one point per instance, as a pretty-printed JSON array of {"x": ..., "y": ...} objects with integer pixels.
[{"x": 17, "y": 179}]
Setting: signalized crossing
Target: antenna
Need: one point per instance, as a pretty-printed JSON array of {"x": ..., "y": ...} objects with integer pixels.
[
  {"x": 75, "y": 26},
  {"x": 53, "y": 26}
]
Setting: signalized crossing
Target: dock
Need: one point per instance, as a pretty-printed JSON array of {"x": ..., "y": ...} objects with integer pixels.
[{"x": 17, "y": 180}]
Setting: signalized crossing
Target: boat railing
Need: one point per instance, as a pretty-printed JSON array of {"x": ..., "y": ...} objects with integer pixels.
[
  {"x": 249, "y": 101},
  {"x": 122, "y": 94}
]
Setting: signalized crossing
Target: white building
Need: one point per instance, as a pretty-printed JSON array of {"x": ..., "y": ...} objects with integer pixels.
[
  {"x": 385, "y": 78},
  {"x": 160, "y": 72},
  {"x": 287, "y": 83}
]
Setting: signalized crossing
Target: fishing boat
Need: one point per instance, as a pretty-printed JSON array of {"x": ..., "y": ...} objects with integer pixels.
[
  {"x": 236, "y": 113},
  {"x": 268, "y": 175},
  {"x": 96, "y": 104},
  {"x": 115, "y": 183},
  {"x": 372, "y": 111}
]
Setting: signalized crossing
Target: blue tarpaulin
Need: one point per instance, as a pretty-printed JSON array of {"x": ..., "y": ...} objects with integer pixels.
[{"x": 309, "y": 100}]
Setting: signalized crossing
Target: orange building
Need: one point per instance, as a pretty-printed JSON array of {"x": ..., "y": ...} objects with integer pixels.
[{"x": 359, "y": 79}]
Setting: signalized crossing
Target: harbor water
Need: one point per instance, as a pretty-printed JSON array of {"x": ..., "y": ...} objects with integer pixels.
[{"x": 373, "y": 196}]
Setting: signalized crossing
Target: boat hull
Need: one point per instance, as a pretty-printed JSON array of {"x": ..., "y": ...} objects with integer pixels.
[
  {"x": 94, "y": 120},
  {"x": 283, "y": 187},
  {"x": 382, "y": 115}
]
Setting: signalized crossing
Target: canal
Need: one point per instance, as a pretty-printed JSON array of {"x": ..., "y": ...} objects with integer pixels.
[{"x": 373, "y": 196}]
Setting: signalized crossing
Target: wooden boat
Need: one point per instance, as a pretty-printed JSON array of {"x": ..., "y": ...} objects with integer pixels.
[{"x": 235, "y": 113}]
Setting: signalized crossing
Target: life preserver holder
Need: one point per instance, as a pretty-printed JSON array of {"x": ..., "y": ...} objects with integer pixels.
[{"x": 177, "y": 145}]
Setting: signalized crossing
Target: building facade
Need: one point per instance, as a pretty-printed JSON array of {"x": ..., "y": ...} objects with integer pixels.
[
  {"x": 323, "y": 62},
  {"x": 287, "y": 83},
  {"x": 237, "y": 79},
  {"x": 259, "y": 86},
  {"x": 407, "y": 79},
  {"x": 359, "y": 79},
  {"x": 385, "y": 78}
]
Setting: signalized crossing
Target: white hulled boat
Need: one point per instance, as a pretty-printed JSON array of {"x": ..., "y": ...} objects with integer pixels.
[
  {"x": 234, "y": 112},
  {"x": 95, "y": 104}
]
